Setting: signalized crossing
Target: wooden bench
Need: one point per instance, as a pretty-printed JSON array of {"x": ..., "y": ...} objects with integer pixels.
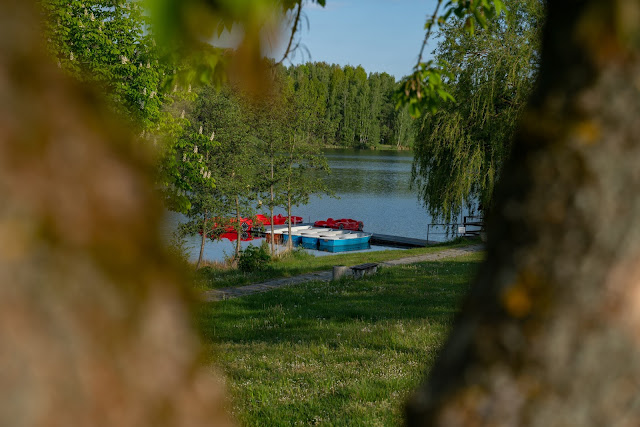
[{"x": 364, "y": 269}]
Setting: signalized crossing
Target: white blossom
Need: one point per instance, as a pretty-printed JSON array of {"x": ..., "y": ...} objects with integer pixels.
[
  {"x": 182, "y": 114},
  {"x": 184, "y": 157},
  {"x": 144, "y": 91},
  {"x": 124, "y": 59},
  {"x": 213, "y": 134},
  {"x": 92, "y": 17},
  {"x": 195, "y": 149},
  {"x": 200, "y": 131},
  {"x": 201, "y": 170},
  {"x": 148, "y": 65},
  {"x": 71, "y": 56},
  {"x": 152, "y": 94},
  {"x": 209, "y": 174}
]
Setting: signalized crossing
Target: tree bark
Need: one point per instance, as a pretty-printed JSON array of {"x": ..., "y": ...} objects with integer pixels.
[
  {"x": 95, "y": 318},
  {"x": 550, "y": 332}
]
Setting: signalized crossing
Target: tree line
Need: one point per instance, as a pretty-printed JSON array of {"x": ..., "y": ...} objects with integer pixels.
[
  {"x": 352, "y": 109},
  {"x": 237, "y": 154},
  {"x": 220, "y": 151}
]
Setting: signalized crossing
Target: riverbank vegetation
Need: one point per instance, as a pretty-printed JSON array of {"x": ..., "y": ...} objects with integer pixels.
[
  {"x": 345, "y": 352},
  {"x": 222, "y": 150},
  {"x": 220, "y": 275},
  {"x": 461, "y": 148}
]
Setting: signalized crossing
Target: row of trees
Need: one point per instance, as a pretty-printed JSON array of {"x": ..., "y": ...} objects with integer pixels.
[
  {"x": 220, "y": 151},
  {"x": 236, "y": 152},
  {"x": 350, "y": 108}
]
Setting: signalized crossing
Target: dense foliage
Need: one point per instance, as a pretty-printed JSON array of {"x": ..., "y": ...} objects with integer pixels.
[
  {"x": 352, "y": 109},
  {"x": 462, "y": 147},
  {"x": 109, "y": 43}
]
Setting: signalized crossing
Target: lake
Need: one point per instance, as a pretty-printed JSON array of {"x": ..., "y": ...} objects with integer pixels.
[{"x": 371, "y": 186}]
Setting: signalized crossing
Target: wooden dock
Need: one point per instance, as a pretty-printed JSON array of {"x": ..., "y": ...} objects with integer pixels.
[
  {"x": 398, "y": 241},
  {"x": 377, "y": 239}
]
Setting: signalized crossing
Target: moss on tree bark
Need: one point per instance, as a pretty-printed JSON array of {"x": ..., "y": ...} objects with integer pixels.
[{"x": 550, "y": 332}]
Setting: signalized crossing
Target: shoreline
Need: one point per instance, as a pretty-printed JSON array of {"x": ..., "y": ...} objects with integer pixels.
[{"x": 374, "y": 148}]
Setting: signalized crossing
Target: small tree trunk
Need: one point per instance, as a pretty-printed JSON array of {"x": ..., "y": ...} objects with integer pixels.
[
  {"x": 238, "y": 226},
  {"x": 271, "y": 209},
  {"x": 289, "y": 242},
  {"x": 204, "y": 238}
]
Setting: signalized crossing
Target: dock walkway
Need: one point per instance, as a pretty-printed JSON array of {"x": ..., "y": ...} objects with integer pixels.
[
  {"x": 376, "y": 238},
  {"x": 326, "y": 275}
]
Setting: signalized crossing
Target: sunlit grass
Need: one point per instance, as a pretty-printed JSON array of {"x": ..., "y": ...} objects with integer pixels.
[
  {"x": 338, "y": 353},
  {"x": 300, "y": 262}
]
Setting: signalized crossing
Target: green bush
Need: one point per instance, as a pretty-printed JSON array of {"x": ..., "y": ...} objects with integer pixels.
[{"x": 254, "y": 258}]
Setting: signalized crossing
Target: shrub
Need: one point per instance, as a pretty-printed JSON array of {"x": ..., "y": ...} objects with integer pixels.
[{"x": 254, "y": 258}]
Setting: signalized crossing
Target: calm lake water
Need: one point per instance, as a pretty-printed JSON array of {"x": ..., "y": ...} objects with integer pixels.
[{"x": 371, "y": 186}]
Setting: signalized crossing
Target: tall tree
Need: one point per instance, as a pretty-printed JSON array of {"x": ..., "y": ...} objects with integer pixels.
[
  {"x": 270, "y": 120},
  {"x": 109, "y": 43},
  {"x": 461, "y": 148},
  {"x": 234, "y": 156},
  {"x": 197, "y": 184},
  {"x": 302, "y": 162}
]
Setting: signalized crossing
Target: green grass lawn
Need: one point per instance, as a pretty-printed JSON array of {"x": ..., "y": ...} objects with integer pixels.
[
  {"x": 300, "y": 262},
  {"x": 338, "y": 353}
]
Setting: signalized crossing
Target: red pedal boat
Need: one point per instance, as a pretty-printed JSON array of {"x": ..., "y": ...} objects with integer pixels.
[
  {"x": 277, "y": 219},
  {"x": 341, "y": 224}
]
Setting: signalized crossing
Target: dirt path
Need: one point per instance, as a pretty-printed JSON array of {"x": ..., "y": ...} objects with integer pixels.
[{"x": 325, "y": 275}]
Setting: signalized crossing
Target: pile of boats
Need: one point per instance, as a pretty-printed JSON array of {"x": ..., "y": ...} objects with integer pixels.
[
  {"x": 247, "y": 224},
  {"x": 340, "y": 224},
  {"x": 332, "y": 235},
  {"x": 324, "y": 238}
]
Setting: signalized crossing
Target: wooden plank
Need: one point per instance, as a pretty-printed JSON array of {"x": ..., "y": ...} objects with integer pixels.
[
  {"x": 365, "y": 266},
  {"x": 399, "y": 241}
]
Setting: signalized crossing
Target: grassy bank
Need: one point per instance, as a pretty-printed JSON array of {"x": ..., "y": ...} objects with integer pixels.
[
  {"x": 340, "y": 353},
  {"x": 300, "y": 262}
]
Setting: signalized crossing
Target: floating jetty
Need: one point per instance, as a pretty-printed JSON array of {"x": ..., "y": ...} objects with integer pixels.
[
  {"x": 399, "y": 241},
  {"x": 376, "y": 239}
]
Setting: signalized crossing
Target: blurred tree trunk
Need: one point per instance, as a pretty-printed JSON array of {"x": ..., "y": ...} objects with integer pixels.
[
  {"x": 550, "y": 333},
  {"x": 95, "y": 325}
]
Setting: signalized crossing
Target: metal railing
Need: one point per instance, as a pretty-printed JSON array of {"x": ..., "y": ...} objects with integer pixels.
[
  {"x": 450, "y": 230},
  {"x": 471, "y": 226}
]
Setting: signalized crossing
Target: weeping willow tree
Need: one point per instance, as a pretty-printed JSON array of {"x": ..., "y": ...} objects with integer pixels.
[{"x": 461, "y": 148}]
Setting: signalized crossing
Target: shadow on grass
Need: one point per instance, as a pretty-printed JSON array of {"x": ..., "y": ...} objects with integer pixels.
[
  {"x": 301, "y": 262},
  {"x": 315, "y": 312}
]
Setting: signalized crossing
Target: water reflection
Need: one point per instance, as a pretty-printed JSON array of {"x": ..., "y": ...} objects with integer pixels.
[{"x": 372, "y": 186}]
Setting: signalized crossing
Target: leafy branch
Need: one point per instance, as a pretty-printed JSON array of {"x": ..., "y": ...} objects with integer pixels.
[{"x": 425, "y": 88}]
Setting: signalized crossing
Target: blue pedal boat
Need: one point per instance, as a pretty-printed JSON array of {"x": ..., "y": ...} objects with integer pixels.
[{"x": 343, "y": 240}]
